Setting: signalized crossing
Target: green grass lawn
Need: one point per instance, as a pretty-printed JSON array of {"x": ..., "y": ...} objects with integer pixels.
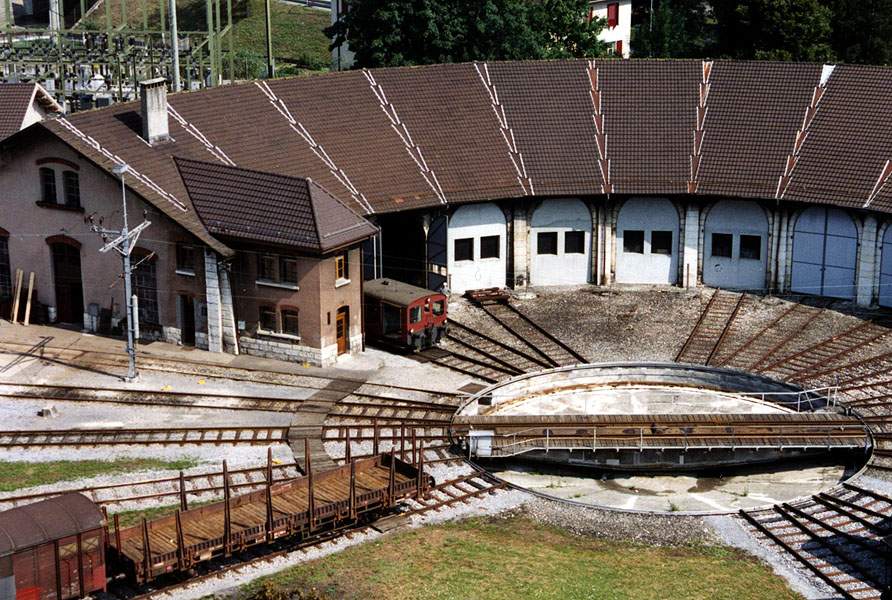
[
  {"x": 516, "y": 558},
  {"x": 297, "y": 31},
  {"x": 18, "y": 475}
]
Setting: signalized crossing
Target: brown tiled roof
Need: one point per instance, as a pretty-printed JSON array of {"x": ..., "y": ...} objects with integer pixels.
[
  {"x": 265, "y": 207},
  {"x": 395, "y": 139},
  {"x": 14, "y": 101}
]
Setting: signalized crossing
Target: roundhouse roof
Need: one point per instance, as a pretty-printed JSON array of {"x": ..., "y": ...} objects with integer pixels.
[
  {"x": 34, "y": 524},
  {"x": 394, "y": 139}
]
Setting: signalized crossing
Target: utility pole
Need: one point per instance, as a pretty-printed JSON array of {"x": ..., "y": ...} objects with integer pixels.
[
  {"x": 174, "y": 45},
  {"x": 123, "y": 244},
  {"x": 270, "y": 68}
]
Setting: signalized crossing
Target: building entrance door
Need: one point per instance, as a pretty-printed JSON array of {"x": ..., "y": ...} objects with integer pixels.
[
  {"x": 67, "y": 281},
  {"x": 342, "y": 328},
  {"x": 187, "y": 320}
]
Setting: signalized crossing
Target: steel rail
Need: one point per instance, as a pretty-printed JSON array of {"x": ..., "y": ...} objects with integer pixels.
[
  {"x": 112, "y": 437},
  {"x": 749, "y": 344},
  {"x": 496, "y": 342}
]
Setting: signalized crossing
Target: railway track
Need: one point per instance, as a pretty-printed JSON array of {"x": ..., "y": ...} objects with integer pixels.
[
  {"x": 174, "y": 436},
  {"x": 711, "y": 328},
  {"x": 800, "y": 366},
  {"x": 835, "y": 535},
  {"x": 771, "y": 339}
]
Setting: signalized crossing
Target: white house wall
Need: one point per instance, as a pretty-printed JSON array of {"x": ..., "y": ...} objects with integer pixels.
[
  {"x": 736, "y": 218},
  {"x": 561, "y": 268},
  {"x": 647, "y": 215},
  {"x": 825, "y": 247},
  {"x": 477, "y": 221}
]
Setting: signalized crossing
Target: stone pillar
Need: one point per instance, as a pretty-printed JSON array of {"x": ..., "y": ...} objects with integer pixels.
[
  {"x": 212, "y": 296},
  {"x": 227, "y": 314},
  {"x": 691, "y": 254},
  {"x": 608, "y": 243},
  {"x": 867, "y": 262},
  {"x": 520, "y": 241},
  {"x": 784, "y": 244}
]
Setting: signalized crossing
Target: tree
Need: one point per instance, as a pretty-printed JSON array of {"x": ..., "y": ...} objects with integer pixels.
[
  {"x": 774, "y": 29},
  {"x": 862, "y": 31},
  {"x": 675, "y": 29},
  {"x": 386, "y": 33}
]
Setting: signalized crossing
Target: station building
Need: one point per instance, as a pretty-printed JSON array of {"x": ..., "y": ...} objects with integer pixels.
[{"x": 747, "y": 176}]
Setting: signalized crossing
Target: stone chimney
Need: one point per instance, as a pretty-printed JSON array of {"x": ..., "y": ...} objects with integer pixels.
[{"x": 154, "y": 110}]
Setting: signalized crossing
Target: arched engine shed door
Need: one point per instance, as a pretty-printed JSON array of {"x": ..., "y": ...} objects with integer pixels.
[
  {"x": 735, "y": 246},
  {"x": 647, "y": 241},
  {"x": 886, "y": 270},
  {"x": 560, "y": 240},
  {"x": 476, "y": 247},
  {"x": 825, "y": 248}
]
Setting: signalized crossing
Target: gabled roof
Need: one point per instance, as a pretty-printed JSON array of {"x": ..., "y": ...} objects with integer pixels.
[
  {"x": 264, "y": 207},
  {"x": 15, "y": 99}
]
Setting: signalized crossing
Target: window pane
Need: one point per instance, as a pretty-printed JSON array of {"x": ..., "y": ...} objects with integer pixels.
[
  {"x": 267, "y": 267},
  {"x": 145, "y": 286},
  {"x": 546, "y": 242},
  {"x": 289, "y": 322},
  {"x": 721, "y": 244},
  {"x": 661, "y": 242},
  {"x": 415, "y": 314},
  {"x": 439, "y": 308},
  {"x": 464, "y": 249},
  {"x": 633, "y": 241},
  {"x": 48, "y": 185},
  {"x": 185, "y": 258},
  {"x": 341, "y": 267},
  {"x": 288, "y": 269},
  {"x": 574, "y": 242},
  {"x": 267, "y": 318},
  {"x": 751, "y": 246},
  {"x": 489, "y": 246},
  {"x": 72, "y": 189}
]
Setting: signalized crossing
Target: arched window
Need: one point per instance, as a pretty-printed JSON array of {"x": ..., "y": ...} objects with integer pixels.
[
  {"x": 47, "y": 185},
  {"x": 72, "y": 188},
  {"x": 145, "y": 286},
  {"x": 5, "y": 272}
]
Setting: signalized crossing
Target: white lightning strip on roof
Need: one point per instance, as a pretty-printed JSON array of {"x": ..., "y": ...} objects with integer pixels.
[
  {"x": 194, "y": 131},
  {"x": 403, "y": 132},
  {"x": 598, "y": 120},
  {"x": 118, "y": 160},
  {"x": 525, "y": 181},
  {"x": 316, "y": 148}
]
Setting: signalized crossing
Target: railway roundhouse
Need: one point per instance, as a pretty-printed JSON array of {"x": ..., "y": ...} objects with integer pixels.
[{"x": 744, "y": 175}]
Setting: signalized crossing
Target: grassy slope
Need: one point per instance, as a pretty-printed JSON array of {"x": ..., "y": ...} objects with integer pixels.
[
  {"x": 17, "y": 475},
  {"x": 516, "y": 558},
  {"x": 297, "y": 31}
]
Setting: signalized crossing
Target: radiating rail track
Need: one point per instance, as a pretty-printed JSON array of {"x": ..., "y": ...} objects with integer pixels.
[
  {"x": 163, "y": 436},
  {"x": 711, "y": 328},
  {"x": 835, "y": 535}
]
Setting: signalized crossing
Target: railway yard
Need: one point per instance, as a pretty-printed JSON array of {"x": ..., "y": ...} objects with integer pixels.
[{"x": 248, "y": 424}]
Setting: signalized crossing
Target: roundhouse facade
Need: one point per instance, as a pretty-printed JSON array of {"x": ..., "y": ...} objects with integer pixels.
[{"x": 745, "y": 175}]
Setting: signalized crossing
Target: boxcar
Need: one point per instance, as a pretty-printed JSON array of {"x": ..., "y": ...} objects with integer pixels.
[
  {"x": 52, "y": 549},
  {"x": 404, "y": 315}
]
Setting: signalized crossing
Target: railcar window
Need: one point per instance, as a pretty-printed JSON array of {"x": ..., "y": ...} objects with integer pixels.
[
  {"x": 751, "y": 247},
  {"x": 633, "y": 241},
  {"x": 415, "y": 314},
  {"x": 464, "y": 249},
  {"x": 546, "y": 242},
  {"x": 721, "y": 244},
  {"x": 48, "y": 185},
  {"x": 574, "y": 242},
  {"x": 439, "y": 308},
  {"x": 72, "y": 188},
  {"x": 489, "y": 246}
]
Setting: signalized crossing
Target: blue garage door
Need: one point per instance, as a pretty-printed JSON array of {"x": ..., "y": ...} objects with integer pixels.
[
  {"x": 886, "y": 270},
  {"x": 825, "y": 248}
]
